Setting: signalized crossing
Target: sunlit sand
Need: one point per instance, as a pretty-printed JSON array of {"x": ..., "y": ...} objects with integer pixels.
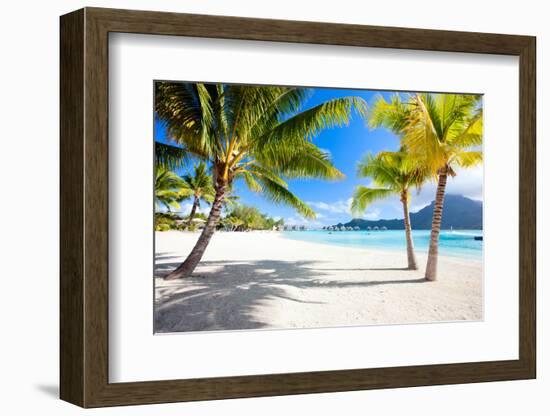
[{"x": 261, "y": 280}]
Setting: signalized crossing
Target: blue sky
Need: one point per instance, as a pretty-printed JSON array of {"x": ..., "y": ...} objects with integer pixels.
[{"x": 347, "y": 145}]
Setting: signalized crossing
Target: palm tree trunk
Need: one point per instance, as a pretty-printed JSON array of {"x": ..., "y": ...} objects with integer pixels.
[
  {"x": 193, "y": 211},
  {"x": 431, "y": 267},
  {"x": 188, "y": 266},
  {"x": 411, "y": 257}
]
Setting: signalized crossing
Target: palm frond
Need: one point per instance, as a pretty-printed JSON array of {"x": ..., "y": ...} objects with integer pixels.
[
  {"x": 468, "y": 159},
  {"x": 309, "y": 123},
  {"x": 251, "y": 181},
  {"x": 380, "y": 168},
  {"x": 184, "y": 109},
  {"x": 278, "y": 193},
  {"x": 306, "y": 161},
  {"x": 170, "y": 157},
  {"x": 392, "y": 115},
  {"x": 170, "y": 189},
  {"x": 364, "y": 196},
  {"x": 471, "y": 132},
  {"x": 440, "y": 126},
  {"x": 199, "y": 183}
]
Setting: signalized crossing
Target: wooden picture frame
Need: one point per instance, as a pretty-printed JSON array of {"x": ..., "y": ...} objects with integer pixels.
[{"x": 84, "y": 207}]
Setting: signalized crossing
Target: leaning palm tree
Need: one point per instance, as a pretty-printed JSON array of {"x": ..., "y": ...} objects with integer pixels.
[
  {"x": 260, "y": 134},
  {"x": 443, "y": 132},
  {"x": 199, "y": 184},
  {"x": 391, "y": 175},
  {"x": 170, "y": 189}
]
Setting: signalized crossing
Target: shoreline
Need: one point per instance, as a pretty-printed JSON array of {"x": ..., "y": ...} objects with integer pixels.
[
  {"x": 272, "y": 282},
  {"x": 384, "y": 250}
]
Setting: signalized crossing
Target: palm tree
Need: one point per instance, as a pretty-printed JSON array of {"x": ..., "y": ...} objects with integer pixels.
[
  {"x": 170, "y": 189},
  {"x": 441, "y": 132},
  {"x": 200, "y": 186},
  {"x": 391, "y": 175},
  {"x": 259, "y": 134}
]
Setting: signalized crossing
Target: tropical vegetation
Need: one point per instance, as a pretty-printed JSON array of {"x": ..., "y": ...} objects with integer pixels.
[
  {"x": 262, "y": 135},
  {"x": 170, "y": 189},
  {"x": 440, "y": 133},
  {"x": 391, "y": 175},
  {"x": 245, "y": 217},
  {"x": 199, "y": 184}
]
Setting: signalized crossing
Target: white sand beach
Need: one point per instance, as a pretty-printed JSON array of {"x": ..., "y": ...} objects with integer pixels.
[{"x": 261, "y": 280}]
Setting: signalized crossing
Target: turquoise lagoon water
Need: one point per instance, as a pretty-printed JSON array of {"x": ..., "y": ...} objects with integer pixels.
[{"x": 456, "y": 243}]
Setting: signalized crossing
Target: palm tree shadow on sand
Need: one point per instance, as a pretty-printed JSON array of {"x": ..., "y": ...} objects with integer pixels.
[{"x": 227, "y": 295}]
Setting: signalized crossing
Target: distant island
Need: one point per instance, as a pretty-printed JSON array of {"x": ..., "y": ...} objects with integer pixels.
[{"x": 459, "y": 212}]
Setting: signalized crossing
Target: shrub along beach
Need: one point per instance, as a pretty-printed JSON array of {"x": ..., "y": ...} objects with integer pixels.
[{"x": 240, "y": 170}]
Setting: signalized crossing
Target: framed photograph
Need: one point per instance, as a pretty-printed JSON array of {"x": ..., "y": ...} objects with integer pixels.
[{"x": 262, "y": 207}]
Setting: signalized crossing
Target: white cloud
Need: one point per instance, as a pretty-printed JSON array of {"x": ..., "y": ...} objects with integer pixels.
[
  {"x": 388, "y": 208},
  {"x": 338, "y": 207},
  {"x": 343, "y": 207},
  {"x": 185, "y": 209},
  {"x": 373, "y": 214},
  {"x": 467, "y": 182}
]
